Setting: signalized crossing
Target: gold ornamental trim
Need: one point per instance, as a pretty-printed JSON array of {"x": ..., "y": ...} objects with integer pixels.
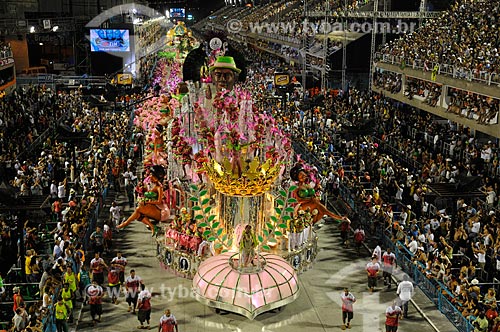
[{"x": 255, "y": 178}]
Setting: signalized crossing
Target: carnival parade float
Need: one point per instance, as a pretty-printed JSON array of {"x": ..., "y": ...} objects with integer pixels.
[{"x": 217, "y": 175}]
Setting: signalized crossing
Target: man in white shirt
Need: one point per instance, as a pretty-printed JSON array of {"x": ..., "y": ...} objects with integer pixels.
[
  {"x": 475, "y": 228},
  {"x": 53, "y": 189},
  {"x": 405, "y": 292},
  {"x": 115, "y": 212},
  {"x": 61, "y": 190},
  {"x": 120, "y": 263},
  {"x": 399, "y": 192},
  {"x": 389, "y": 261},
  {"x": 412, "y": 245},
  {"x": 133, "y": 285}
]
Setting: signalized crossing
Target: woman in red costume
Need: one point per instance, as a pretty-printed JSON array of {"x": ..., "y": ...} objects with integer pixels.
[
  {"x": 153, "y": 206},
  {"x": 306, "y": 195}
]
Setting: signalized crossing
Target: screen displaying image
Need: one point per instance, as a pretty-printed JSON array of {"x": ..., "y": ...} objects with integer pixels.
[
  {"x": 177, "y": 12},
  {"x": 109, "y": 40}
]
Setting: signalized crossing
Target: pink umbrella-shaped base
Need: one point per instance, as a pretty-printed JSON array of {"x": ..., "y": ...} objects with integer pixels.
[{"x": 249, "y": 291}]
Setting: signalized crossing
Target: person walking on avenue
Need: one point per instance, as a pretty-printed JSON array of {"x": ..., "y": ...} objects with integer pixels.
[
  {"x": 372, "y": 269},
  {"x": 144, "y": 306},
  {"x": 405, "y": 292},
  {"x": 97, "y": 266},
  {"x": 132, "y": 284},
  {"x": 97, "y": 238},
  {"x": 114, "y": 284},
  {"x": 61, "y": 315},
  {"x": 359, "y": 238},
  {"x": 115, "y": 213},
  {"x": 392, "y": 316},
  {"x": 345, "y": 227},
  {"x": 120, "y": 263},
  {"x": 168, "y": 322},
  {"x": 68, "y": 297},
  {"x": 95, "y": 294},
  {"x": 389, "y": 261},
  {"x": 347, "y": 309}
]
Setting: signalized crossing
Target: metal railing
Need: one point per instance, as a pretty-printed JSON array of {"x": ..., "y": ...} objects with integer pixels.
[{"x": 436, "y": 291}]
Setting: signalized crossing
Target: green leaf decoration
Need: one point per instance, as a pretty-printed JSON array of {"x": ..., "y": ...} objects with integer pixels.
[
  {"x": 280, "y": 202},
  {"x": 230, "y": 242},
  {"x": 283, "y": 193},
  {"x": 211, "y": 239},
  {"x": 224, "y": 250},
  {"x": 266, "y": 247},
  {"x": 203, "y": 224},
  {"x": 218, "y": 245},
  {"x": 269, "y": 225},
  {"x": 292, "y": 200},
  {"x": 282, "y": 226},
  {"x": 260, "y": 238},
  {"x": 292, "y": 188},
  {"x": 278, "y": 233},
  {"x": 278, "y": 210},
  {"x": 194, "y": 187},
  {"x": 211, "y": 218},
  {"x": 196, "y": 208},
  {"x": 215, "y": 224},
  {"x": 224, "y": 238},
  {"x": 266, "y": 232},
  {"x": 286, "y": 218},
  {"x": 289, "y": 209},
  {"x": 205, "y": 201},
  {"x": 273, "y": 218},
  {"x": 208, "y": 209},
  {"x": 272, "y": 240},
  {"x": 207, "y": 232},
  {"x": 219, "y": 231},
  {"x": 203, "y": 192},
  {"x": 198, "y": 217},
  {"x": 193, "y": 199}
]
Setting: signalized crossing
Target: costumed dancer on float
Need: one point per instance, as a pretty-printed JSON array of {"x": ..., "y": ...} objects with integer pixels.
[
  {"x": 158, "y": 155},
  {"x": 153, "y": 206},
  {"x": 306, "y": 195}
]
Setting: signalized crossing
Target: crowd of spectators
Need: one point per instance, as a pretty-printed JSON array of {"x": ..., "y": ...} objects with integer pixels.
[
  {"x": 463, "y": 103},
  {"x": 481, "y": 108},
  {"x": 336, "y": 6},
  {"x": 454, "y": 244},
  {"x": 388, "y": 81},
  {"x": 5, "y": 50},
  {"x": 429, "y": 91},
  {"x": 63, "y": 149},
  {"x": 463, "y": 41}
]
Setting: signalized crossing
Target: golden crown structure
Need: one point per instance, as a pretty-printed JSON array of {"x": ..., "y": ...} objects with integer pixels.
[{"x": 256, "y": 178}]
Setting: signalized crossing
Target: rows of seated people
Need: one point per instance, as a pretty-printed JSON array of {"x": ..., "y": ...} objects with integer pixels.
[
  {"x": 397, "y": 197},
  {"x": 475, "y": 51}
]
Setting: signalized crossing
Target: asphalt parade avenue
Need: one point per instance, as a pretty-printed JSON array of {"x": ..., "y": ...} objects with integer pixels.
[{"x": 318, "y": 307}]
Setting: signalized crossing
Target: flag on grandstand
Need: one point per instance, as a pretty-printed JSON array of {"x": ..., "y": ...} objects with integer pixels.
[
  {"x": 403, "y": 64},
  {"x": 434, "y": 72}
]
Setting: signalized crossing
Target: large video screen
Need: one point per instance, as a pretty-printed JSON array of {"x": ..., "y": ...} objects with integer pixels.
[
  {"x": 109, "y": 40},
  {"x": 177, "y": 12}
]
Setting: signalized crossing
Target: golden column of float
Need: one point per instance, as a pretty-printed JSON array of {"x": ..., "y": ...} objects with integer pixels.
[
  {"x": 242, "y": 199},
  {"x": 244, "y": 281}
]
